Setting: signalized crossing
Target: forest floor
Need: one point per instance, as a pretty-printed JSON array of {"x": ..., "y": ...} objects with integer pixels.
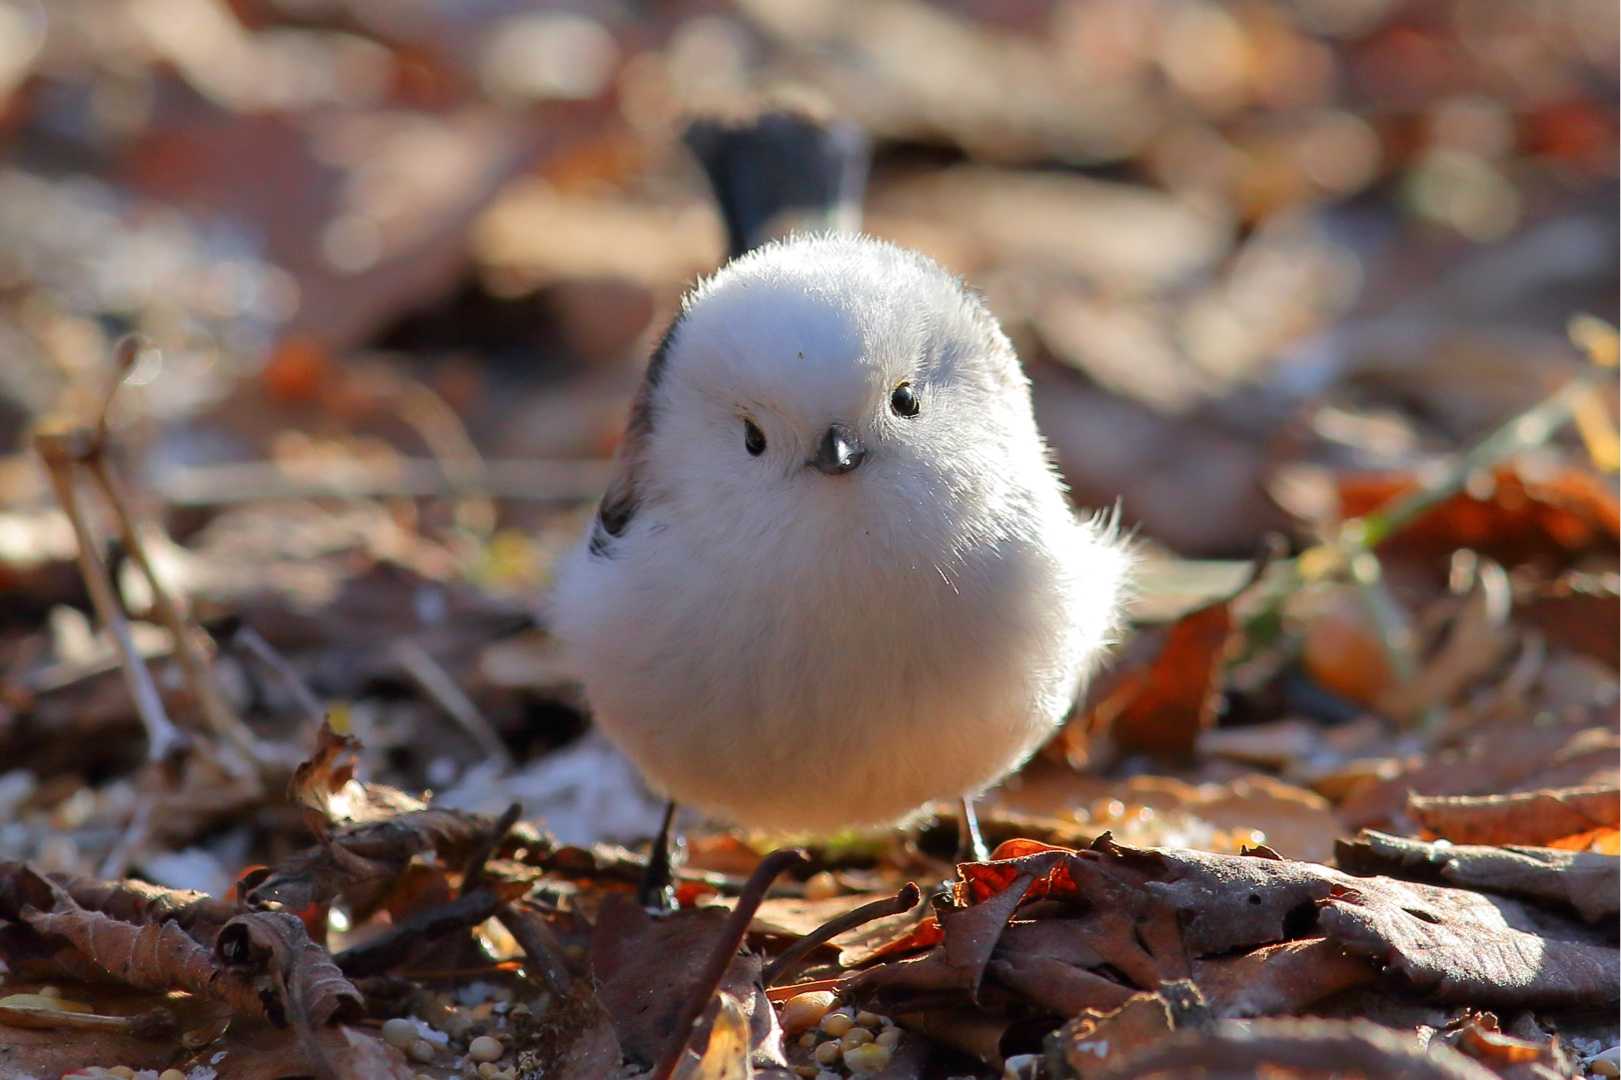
[{"x": 293, "y": 782}]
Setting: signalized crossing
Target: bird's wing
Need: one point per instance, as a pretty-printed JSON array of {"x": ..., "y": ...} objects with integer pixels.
[{"x": 627, "y": 490}]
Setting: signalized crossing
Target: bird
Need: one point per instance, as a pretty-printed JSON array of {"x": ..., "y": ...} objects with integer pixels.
[{"x": 837, "y": 576}]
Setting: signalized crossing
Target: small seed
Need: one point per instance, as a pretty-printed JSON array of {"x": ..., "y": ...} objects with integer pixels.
[
  {"x": 485, "y": 1048},
  {"x": 856, "y": 1036},
  {"x": 823, "y": 886},
  {"x": 890, "y": 1037},
  {"x": 868, "y": 1019},
  {"x": 1604, "y": 1067},
  {"x": 868, "y": 1058},
  {"x": 171, "y": 1074},
  {"x": 828, "y": 1053},
  {"x": 837, "y": 1023},
  {"x": 488, "y": 1070},
  {"x": 808, "y": 1040},
  {"x": 807, "y": 1071},
  {"x": 399, "y": 1033},
  {"x": 123, "y": 1072},
  {"x": 804, "y": 1011},
  {"x": 421, "y": 1050}
]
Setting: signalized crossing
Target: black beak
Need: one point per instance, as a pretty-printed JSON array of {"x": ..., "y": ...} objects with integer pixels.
[{"x": 839, "y": 451}]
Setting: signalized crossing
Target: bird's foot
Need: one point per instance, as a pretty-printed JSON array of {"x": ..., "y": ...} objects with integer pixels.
[
  {"x": 970, "y": 842},
  {"x": 656, "y": 891}
]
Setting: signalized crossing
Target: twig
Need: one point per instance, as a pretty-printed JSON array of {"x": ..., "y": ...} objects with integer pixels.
[
  {"x": 731, "y": 939},
  {"x": 204, "y": 486},
  {"x": 436, "y": 682},
  {"x": 61, "y": 452},
  {"x": 394, "y": 946},
  {"x": 419, "y": 405},
  {"x": 152, "y": 1024},
  {"x": 529, "y": 928},
  {"x": 195, "y": 666},
  {"x": 116, "y": 864},
  {"x": 778, "y": 994},
  {"x": 254, "y": 644},
  {"x": 498, "y": 832},
  {"x": 789, "y": 963},
  {"x": 1533, "y": 427},
  {"x": 126, "y": 351}
]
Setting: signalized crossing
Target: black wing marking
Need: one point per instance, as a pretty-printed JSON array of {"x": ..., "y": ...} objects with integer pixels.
[{"x": 624, "y": 494}]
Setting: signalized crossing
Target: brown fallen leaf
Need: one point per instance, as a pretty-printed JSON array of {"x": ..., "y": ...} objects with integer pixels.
[
  {"x": 350, "y": 1051},
  {"x": 1516, "y": 516},
  {"x": 1165, "y": 690},
  {"x": 1086, "y": 929},
  {"x": 326, "y": 787},
  {"x": 978, "y": 1033},
  {"x": 1279, "y": 980},
  {"x": 298, "y": 983},
  {"x": 131, "y": 900},
  {"x": 1578, "y": 610},
  {"x": 1530, "y": 817},
  {"x": 149, "y": 955},
  {"x": 52, "y": 1051},
  {"x": 1050, "y": 800},
  {"x": 1298, "y": 1048},
  {"x": 1586, "y": 882},
  {"x": 645, "y": 971},
  {"x": 248, "y": 1051},
  {"x": 573, "y": 1040},
  {"x": 1575, "y": 748},
  {"x": 726, "y": 1055},
  {"x": 1453, "y": 945},
  {"x": 361, "y": 862},
  {"x": 1511, "y": 1056},
  {"x": 310, "y": 990},
  {"x": 1094, "y": 1040},
  {"x": 969, "y": 936}
]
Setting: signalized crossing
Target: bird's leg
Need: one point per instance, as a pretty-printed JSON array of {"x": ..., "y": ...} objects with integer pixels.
[
  {"x": 970, "y": 844},
  {"x": 657, "y": 888}
]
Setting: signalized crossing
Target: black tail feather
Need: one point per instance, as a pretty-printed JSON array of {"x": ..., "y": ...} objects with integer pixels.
[{"x": 781, "y": 171}]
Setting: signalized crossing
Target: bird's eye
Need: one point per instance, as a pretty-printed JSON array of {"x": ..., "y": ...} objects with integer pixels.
[
  {"x": 753, "y": 439},
  {"x": 903, "y": 400}
]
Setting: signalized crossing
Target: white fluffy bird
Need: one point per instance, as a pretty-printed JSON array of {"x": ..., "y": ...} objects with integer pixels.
[{"x": 837, "y": 576}]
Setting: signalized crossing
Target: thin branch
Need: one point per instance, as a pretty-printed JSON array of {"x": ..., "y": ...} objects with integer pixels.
[
  {"x": 262, "y": 481},
  {"x": 435, "y": 681},
  {"x": 731, "y": 939},
  {"x": 528, "y": 926},
  {"x": 789, "y": 963},
  {"x": 193, "y": 663},
  {"x": 60, "y": 454},
  {"x": 254, "y": 644},
  {"x": 396, "y": 945}
]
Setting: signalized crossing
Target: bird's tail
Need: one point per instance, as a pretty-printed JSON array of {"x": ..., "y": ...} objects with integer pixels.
[{"x": 782, "y": 171}]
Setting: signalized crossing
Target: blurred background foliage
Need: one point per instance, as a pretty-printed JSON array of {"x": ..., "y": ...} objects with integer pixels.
[{"x": 401, "y": 262}]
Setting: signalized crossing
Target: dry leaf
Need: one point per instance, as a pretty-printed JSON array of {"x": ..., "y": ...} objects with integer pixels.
[
  {"x": 1586, "y": 882},
  {"x": 1521, "y": 517},
  {"x": 1160, "y": 704},
  {"x": 1531, "y": 817}
]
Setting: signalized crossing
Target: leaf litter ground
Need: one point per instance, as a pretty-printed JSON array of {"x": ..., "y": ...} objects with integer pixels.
[{"x": 1350, "y": 808}]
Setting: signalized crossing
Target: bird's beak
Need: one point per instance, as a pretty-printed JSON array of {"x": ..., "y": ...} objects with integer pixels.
[{"x": 839, "y": 451}]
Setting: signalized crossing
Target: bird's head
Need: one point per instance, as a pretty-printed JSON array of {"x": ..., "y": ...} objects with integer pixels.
[{"x": 839, "y": 372}]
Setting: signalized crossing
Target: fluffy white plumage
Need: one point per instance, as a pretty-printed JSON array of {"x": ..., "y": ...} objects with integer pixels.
[{"x": 801, "y": 651}]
